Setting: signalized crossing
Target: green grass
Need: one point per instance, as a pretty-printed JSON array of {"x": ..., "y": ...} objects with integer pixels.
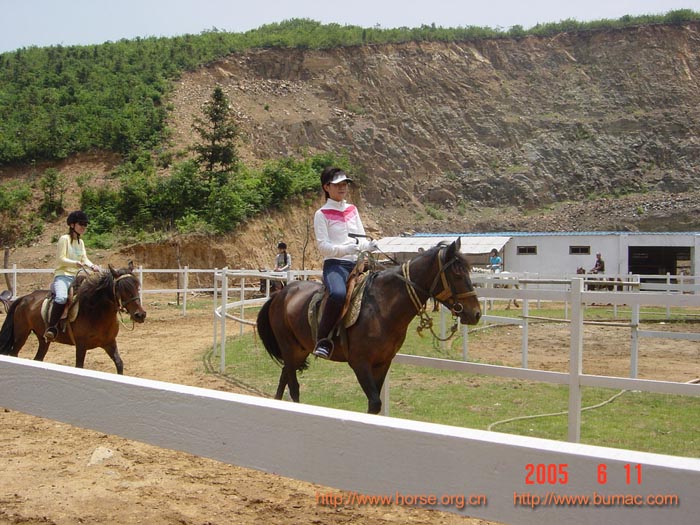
[{"x": 638, "y": 421}]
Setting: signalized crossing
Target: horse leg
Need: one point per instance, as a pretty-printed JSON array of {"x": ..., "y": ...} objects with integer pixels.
[
  {"x": 364, "y": 375},
  {"x": 113, "y": 353},
  {"x": 292, "y": 382},
  {"x": 40, "y": 352},
  {"x": 514, "y": 301},
  {"x": 288, "y": 377},
  {"x": 282, "y": 385},
  {"x": 80, "y": 353},
  {"x": 380, "y": 375}
]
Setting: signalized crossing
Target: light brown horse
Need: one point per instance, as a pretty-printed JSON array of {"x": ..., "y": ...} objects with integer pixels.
[
  {"x": 101, "y": 296},
  {"x": 392, "y": 298}
]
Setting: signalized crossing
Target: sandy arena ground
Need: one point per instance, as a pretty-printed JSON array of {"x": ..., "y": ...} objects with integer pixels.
[{"x": 52, "y": 473}]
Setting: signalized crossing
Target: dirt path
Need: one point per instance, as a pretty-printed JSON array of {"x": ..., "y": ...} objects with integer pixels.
[{"x": 52, "y": 473}]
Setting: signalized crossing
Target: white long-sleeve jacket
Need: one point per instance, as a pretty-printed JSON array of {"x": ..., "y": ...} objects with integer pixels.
[{"x": 332, "y": 224}]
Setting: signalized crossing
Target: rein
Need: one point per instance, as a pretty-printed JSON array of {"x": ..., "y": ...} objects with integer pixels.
[{"x": 447, "y": 294}]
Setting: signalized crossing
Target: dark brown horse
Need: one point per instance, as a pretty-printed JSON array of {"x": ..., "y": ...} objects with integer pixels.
[
  {"x": 592, "y": 286},
  {"x": 100, "y": 296},
  {"x": 391, "y": 300}
]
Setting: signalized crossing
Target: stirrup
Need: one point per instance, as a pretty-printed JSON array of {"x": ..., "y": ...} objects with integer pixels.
[
  {"x": 324, "y": 348},
  {"x": 50, "y": 334}
]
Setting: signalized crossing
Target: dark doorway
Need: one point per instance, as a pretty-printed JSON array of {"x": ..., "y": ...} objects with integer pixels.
[{"x": 658, "y": 260}]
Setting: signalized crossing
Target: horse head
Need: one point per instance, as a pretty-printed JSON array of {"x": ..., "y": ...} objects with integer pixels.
[
  {"x": 451, "y": 283},
  {"x": 126, "y": 292}
]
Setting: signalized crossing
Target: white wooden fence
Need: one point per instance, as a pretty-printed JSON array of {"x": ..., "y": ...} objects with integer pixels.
[
  {"x": 573, "y": 294},
  {"x": 506, "y": 478}
]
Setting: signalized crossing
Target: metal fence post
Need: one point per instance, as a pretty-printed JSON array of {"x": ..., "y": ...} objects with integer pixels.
[
  {"x": 140, "y": 271},
  {"x": 14, "y": 281},
  {"x": 184, "y": 293},
  {"x": 216, "y": 322},
  {"x": 465, "y": 342},
  {"x": 240, "y": 325},
  {"x": 224, "y": 302},
  {"x": 575, "y": 360},
  {"x": 634, "y": 341},
  {"x": 384, "y": 395},
  {"x": 524, "y": 336}
]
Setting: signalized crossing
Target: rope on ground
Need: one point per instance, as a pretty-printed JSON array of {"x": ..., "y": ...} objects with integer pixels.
[
  {"x": 565, "y": 412},
  {"x": 211, "y": 369}
]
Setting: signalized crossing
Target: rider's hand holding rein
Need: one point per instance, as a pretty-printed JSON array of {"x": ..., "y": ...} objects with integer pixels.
[
  {"x": 367, "y": 245},
  {"x": 93, "y": 267}
]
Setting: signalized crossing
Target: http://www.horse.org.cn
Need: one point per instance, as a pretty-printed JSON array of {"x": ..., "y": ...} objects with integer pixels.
[
  {"x": 100, "y": 298},
  {"x": 391, "y": 299}
]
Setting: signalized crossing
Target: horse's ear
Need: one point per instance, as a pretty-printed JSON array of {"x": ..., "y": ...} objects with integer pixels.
[
  {"x": 454, "y": 248},
  {"x": 130, "y": 266},
  {"x": 113, "y": 271}
]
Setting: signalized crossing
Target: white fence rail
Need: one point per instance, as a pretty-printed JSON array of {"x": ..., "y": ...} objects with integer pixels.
[
  {"x": 570, "y": 292},
  {"x": 493, "y": 476}
]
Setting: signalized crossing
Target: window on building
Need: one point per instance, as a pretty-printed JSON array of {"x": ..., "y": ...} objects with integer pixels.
[
  {"x": 579, "y": 250},
  {"x": 527, "y": 250}
]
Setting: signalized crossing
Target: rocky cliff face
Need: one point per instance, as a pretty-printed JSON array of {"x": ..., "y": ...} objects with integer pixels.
[{"x": 442, "y": 131}]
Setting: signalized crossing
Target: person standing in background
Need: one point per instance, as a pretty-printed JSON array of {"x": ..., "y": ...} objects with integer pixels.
[
  {"x": 495, "y": 261},
  {"x": 283, "y": 261},
  {"x": 599, "y": 266}
]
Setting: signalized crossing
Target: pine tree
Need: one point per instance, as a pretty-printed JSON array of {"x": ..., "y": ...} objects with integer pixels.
[{"x": 217, "y": 154}]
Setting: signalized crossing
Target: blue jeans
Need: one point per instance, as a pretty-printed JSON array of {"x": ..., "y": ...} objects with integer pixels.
[
  {"x": 335, "y": 277},
  {"x": 60, "y": 286}
]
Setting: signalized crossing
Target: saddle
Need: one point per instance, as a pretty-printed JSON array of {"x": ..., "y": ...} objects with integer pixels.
[
  {"x": 356, "y": 285},
  {"x": 70, "y": 309},
  {"x": 6, "y": 299}
]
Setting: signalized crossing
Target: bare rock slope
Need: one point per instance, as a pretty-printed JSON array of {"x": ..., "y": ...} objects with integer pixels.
[{"x": 444, "y": 132}]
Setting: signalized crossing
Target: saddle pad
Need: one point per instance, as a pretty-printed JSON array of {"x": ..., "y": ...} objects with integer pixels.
[
  {"x": 352, "y": 313},
  {"x": 72, "y": 311}
]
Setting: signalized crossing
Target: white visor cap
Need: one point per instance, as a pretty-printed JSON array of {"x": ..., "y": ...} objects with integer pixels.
[{"x": 340, "y": 177}]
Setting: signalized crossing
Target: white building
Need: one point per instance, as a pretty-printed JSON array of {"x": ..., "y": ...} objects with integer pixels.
[{"x": 554, "y": 253}]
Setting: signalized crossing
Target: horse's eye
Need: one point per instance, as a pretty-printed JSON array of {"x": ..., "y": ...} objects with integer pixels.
[{"x": 459, "y": 269}]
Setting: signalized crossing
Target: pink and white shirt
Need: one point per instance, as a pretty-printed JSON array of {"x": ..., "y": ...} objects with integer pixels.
[{"x": 332, "y": 224}]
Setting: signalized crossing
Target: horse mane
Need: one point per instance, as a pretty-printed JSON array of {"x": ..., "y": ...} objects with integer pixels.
[{"x": 95, "y": 289}]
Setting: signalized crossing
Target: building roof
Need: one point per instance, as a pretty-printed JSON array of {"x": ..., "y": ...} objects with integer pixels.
[
  {"x": 470, "y": 244},
  {"x": 540, "y": 234}
]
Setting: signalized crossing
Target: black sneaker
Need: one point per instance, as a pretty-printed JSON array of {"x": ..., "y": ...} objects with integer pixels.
[{"x": 323, "y": 349}]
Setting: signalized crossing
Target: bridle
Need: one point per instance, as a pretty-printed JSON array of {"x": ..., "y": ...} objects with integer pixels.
[
  {"x": 447, "y": 296},
  {"x": 121, "y": 305}
]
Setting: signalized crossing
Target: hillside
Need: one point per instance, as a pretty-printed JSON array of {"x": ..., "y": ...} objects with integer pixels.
[
  {"x": 593, "y": 130},
  {"x": 456, "y": 129}
]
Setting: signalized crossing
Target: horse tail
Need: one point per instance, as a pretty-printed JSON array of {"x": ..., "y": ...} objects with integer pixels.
[
  {"x": 7, "y": 333},
  {"x": 266, "y": 334}
]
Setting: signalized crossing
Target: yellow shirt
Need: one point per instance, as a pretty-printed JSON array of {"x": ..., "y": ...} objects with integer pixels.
[{"x": 70, "y": 255}]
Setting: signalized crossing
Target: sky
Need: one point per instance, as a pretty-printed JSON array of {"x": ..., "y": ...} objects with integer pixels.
[{"x": 25, "y": 23}]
